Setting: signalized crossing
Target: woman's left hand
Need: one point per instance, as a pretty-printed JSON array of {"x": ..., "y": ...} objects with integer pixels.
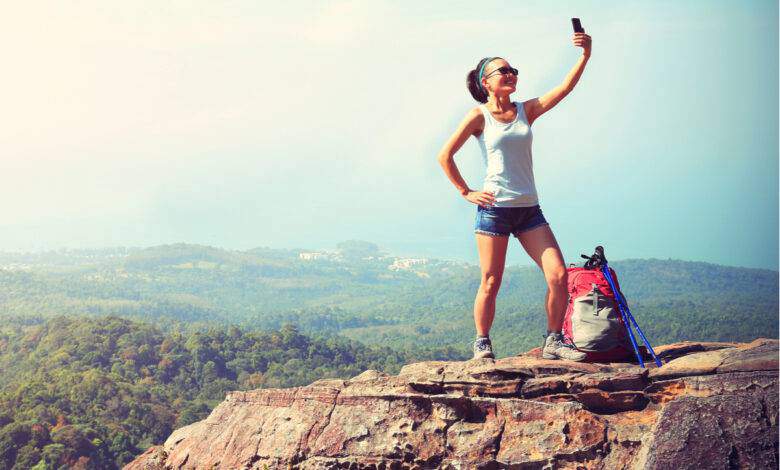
[{"x": 582, "y": 40}]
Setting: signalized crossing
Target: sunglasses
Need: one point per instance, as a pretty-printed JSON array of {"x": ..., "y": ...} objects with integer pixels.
[{"x": 503, "y": 71}]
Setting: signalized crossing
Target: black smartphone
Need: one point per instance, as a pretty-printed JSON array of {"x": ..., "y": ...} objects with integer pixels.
[{"x": 575, "y": 22}]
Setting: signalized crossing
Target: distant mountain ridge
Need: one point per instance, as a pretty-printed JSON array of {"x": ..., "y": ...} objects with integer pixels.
[
  {"x": 365, "y": 294},
  {"x": 187, "y": 251}
]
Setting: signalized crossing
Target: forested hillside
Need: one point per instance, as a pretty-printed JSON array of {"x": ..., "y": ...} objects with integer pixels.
[
  {"x": 104, "y": 352},
  {"x": 101, "y": 390},
  {"x": 369, "y": 296}
]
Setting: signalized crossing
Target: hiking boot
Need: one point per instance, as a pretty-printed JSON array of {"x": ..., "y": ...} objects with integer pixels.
[
  {"x": 556, "y": 348},
  {"x": 483, "y": 349}
]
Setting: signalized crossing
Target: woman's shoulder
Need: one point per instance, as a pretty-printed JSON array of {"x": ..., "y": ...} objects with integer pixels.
[
  {"x": 476, "y": 118},
  {"x": 476, "y": 113},
  {"x": 527, "y": 104}
]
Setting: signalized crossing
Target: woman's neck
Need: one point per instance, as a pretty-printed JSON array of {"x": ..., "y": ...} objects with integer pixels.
[{"x": 499, "y": 103}]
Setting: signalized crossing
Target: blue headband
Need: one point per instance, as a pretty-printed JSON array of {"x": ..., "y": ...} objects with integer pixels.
[{"x": 482, "y": 69}]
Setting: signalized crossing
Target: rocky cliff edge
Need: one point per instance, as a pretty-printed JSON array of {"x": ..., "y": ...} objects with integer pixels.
[{"x": 711, "y": 405}]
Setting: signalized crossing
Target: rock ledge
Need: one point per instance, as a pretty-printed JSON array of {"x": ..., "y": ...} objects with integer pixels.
[{"x": 711, "y": 405}]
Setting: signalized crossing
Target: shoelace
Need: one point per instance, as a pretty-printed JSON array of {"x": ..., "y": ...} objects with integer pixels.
[
  {"x": 561, "y": 340},
  {"x": 567, "y": 344}
]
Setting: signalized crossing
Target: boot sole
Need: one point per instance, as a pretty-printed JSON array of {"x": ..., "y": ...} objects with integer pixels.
[{"x": 555, "y": 356}]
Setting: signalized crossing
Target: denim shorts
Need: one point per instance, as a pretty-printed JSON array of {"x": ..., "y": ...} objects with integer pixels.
[{"x": 503, "y": 221}]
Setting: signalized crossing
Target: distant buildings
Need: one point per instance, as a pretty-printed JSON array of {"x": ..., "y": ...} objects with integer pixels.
[
  {"x": 406, "y": 263},
  {"x": 398, "y": 264},
  {"x": 329, "y": 255},
  {"x": 312, "y": 256}
]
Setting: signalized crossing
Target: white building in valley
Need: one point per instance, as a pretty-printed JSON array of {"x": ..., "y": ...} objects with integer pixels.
[{"x": 407, "y": 263}]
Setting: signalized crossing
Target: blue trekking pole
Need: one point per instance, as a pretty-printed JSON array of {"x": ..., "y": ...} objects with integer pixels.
[
  {"x": 605, "y": 271},
  {"x": 625, "y": 313}
]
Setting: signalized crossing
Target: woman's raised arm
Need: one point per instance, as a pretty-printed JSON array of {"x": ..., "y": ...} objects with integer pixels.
[{"x": 546, "y": 102}]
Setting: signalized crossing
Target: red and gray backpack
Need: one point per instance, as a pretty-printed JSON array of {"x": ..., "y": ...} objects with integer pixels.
[{"x": 593, "y": 322}]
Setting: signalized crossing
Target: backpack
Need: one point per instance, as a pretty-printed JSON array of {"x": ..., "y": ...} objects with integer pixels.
[{"x": 593, "y": 323}]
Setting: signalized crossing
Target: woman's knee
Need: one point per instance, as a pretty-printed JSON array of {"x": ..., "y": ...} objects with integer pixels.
[
  {"x": 490, "y": 284},
  {"x": 557, "y": 277}
]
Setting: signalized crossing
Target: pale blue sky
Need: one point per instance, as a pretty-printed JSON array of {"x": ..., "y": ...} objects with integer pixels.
[{"x": 248, "y": 124}]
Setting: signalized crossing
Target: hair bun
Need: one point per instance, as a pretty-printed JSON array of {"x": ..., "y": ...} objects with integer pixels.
[{"x": 474, "y": 87}]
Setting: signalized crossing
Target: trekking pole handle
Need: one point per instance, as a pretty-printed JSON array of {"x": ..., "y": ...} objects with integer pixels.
[{"x": 600, "y": 252}]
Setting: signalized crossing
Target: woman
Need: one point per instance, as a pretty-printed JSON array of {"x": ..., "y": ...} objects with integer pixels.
[{"x": 508, "y": 203}]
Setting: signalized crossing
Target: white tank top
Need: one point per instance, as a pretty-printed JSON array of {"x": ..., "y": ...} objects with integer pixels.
[{"x": 506, "y": 151}]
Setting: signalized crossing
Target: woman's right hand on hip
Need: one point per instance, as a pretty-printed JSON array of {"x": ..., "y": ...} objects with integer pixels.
[{"x": 481, "y": 198}]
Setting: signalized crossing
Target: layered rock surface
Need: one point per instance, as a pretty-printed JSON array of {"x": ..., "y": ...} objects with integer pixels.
[{"x": 711, "y": 405}]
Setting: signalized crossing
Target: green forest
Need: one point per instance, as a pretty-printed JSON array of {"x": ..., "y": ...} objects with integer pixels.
[
  {"x": 105, "y": 352},
  {"x": 359, "y": 292},
  {"x": 81, "y": 392}
]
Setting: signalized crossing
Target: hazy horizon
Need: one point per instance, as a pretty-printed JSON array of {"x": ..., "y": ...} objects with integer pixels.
[
  {"x": 575, "y": 258},
  {"x": 305, "y": 124}
]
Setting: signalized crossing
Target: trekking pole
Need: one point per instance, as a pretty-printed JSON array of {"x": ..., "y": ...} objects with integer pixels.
[
  {"x": 647, "y": 343},
  {"x": 626, "y": 324},
  {"x": 644, "y": 339},
  {"x": 626, "y": 313}
]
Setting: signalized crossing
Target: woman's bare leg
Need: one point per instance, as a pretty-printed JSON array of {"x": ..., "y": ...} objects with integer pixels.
[
  {"x": 492, "y": 255},
  {"x": 541, "y": 246}
]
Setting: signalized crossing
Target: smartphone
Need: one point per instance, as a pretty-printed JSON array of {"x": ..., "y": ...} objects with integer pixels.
[{"x": 575, "y": 22}]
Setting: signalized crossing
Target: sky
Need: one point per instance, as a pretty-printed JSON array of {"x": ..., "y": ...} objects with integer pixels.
[{"x": 303, "y": 124}]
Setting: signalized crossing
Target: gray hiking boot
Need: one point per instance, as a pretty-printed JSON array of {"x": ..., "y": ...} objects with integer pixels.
[
  {"x": 556, "y": 348},
  {"x": 483, "y": 348}
]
